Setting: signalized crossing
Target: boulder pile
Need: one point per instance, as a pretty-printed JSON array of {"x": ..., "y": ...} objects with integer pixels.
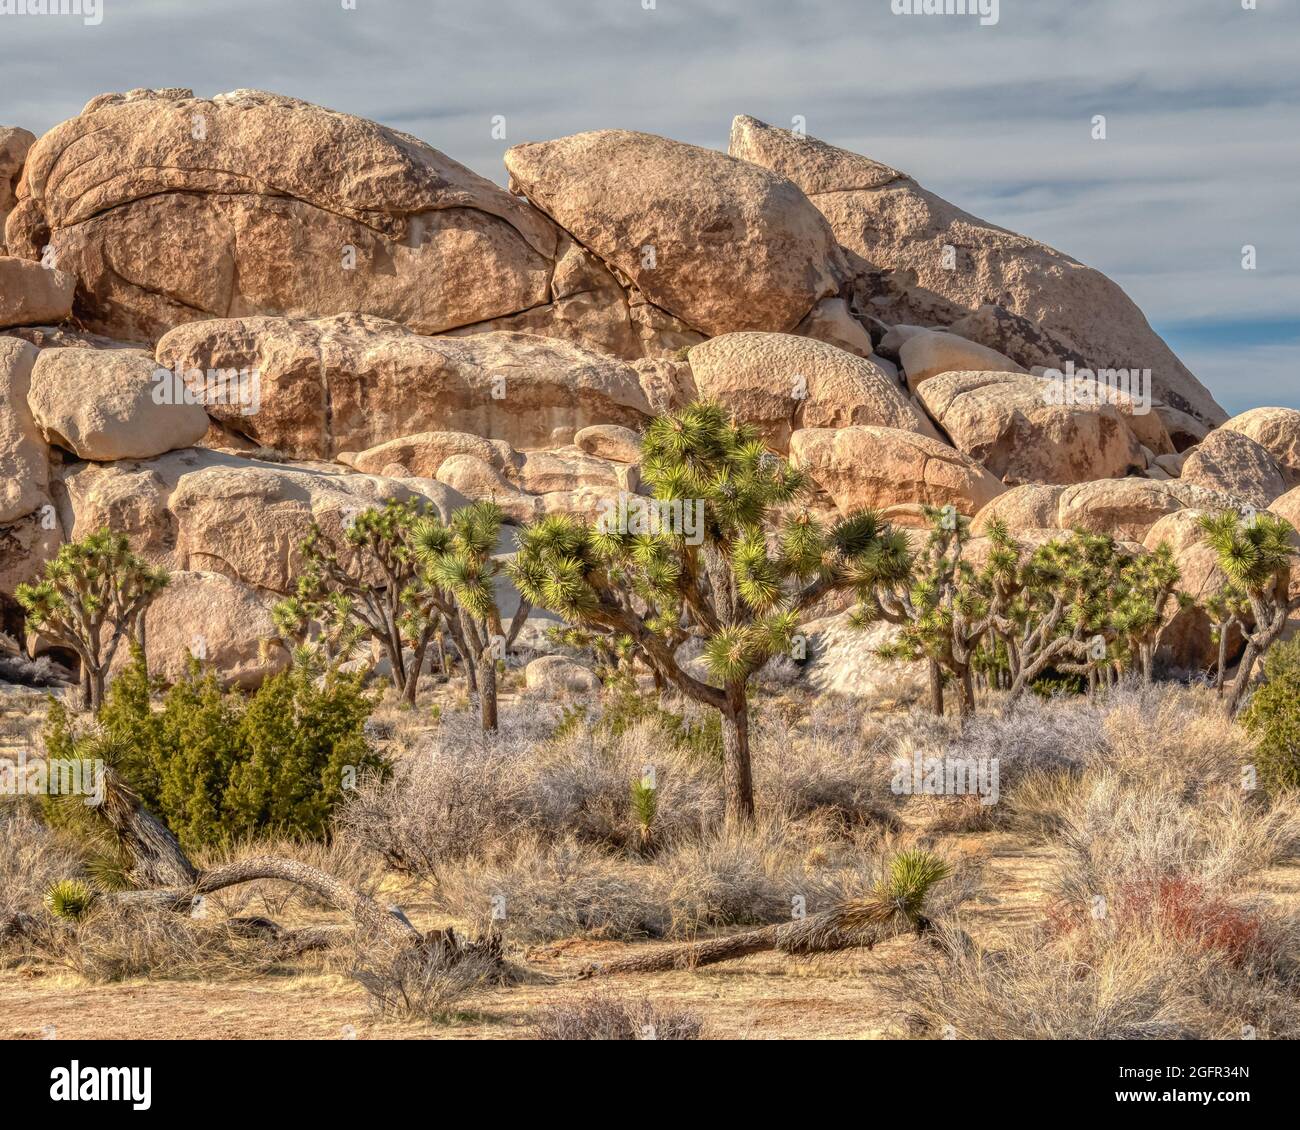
[{"x": 222, "y": 319}]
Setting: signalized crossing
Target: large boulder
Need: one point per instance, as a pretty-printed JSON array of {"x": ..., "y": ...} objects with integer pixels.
[
  {"x": 1032, "y": 506},
  {"x": 1232, "y": 462},
  {"x": 1277, "y": 431},
  {"x": 557, "y": 676},
  {"x": 24, "y": 455},
  {"x": 1014, "y": 426},
  {"x": 721, "y": 244},
  {"x": 106, "y": 404},
  {"x": 843, "y": 660},
  {"x": 893, "y": 471},
  {"x": 898, "y": 235},
  {"x": 352, "y": 382},
  {"x": 422, "y": 454},
  {"x": 781, "y": 383},
  {"x": 927, "y": 354},
  {"x": 1128, "y": 508},
  {"x": 609, "y": 441},
  {"x": 171, "y": 208},
  {"x": 212, "y": 512},
  {"x": 225, "y": 624},
  {"x": 1187, "y": 641},
  {"x": 14, "y": 144},
  {"x": 31, "y": 294}
]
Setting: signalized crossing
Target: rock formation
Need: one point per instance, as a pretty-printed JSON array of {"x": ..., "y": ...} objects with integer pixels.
[{"x": 223, "y": 319}]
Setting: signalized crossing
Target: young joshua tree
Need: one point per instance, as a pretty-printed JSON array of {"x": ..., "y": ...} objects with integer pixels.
[
  {"x": 1146, "y": 589},
  {"x": 946, "y": 609},
  {"x": 1227, "y": 609},
  {"x": 1256, "y": 555},
  {"x": 92, "y": 595},
  {"x": 458, "y": 563},
  {"x": 739, "y": 580}
]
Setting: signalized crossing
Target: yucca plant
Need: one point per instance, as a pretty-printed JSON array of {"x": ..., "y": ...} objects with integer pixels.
[
  {"x": 93, "y": 595},
  {"x": 645, "y": 804},
  {"x": 899, "y": 896},
  {"x": 738, "y": 580},
  {"x": 1141, "y": 604},
  {"x": 1256, "y": 555},
  {"x": 69, "y": 898}
]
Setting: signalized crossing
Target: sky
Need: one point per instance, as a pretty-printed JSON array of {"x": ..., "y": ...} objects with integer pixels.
[{"x": 1201, "y": 100}]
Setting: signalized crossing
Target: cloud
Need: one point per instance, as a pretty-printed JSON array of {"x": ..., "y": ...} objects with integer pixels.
[{"x": 1201, "y": 98}]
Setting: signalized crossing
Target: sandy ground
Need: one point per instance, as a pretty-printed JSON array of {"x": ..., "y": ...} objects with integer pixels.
[{"x": 766, "y": 996}]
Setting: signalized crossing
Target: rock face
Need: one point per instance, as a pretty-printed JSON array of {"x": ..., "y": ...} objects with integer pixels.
[
  {"x": 1277, "y": 431},
  {"x": 24, "y": 456},
  {"x": 720, "y": 244},
  {"x": 1012, "y": 424},
  {"x": 781, "y": 383},
  {"x": 1232, "y": 462},
  {"x": 221, "y": 622},
  {"x": 926, "y": 354},
  {"x": 896, "y": 233},
  {"x": 171, "y": 208},
  {"x": 103, "y": 405},
  {"x": 31, "y": 294},
  {"x": 353, "y": 382},
  {"x": 893, "y": 471}
]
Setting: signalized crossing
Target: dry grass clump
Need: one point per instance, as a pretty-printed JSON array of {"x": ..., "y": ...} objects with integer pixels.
[
  {"x": 1145, "y": 934},
  {"x": 548, "y": 889},
  {"x": 828, "y": 774},
  {"x": 32, "y": 857},
  {"x": 443, "y": 804},
  {"x": 581, "y": 783},
  {"x": 1136, "y": 979},
  {"x": 420, "y": 983},
  {"x": 116, "y": 943},
  {"x": 601, "y": 1016},
  {"x": 1114, "y": 830}
]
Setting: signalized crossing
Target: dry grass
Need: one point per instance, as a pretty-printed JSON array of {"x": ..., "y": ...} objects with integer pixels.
[{"x": 601, "y": 1016}]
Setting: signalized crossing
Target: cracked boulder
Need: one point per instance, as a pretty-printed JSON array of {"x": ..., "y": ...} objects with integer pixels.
[{"x": 170, "y": 208}]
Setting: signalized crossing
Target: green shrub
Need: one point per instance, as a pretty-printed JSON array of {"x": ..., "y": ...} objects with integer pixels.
[
  {"x": 1273, "y": 716},
  {"x": 217, "y": 767}
]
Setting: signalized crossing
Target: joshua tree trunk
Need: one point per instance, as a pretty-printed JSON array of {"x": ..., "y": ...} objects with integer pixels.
[
  {"x": 936, "y": 688},
  {"x": 735, "y": 756},
  {"x": 1221, "y": 671},
  {"x": 487, "y": 689},
  {"x": 965, "y": 695},
  {"x": 1245, "y": 669},
  {"x": 413, "y": 676}
]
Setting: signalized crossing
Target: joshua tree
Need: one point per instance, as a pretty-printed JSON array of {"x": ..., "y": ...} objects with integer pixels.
[
  {"x": 1227, "y": 609},
  {"x": 460, "y": 580},
  {"x": 93, "y": 594},
  {"x": 375, "y": 585},
  {"x": 1141, "y": 604},
  {"x": 738, "y": 578},
  {"x": 945, "y": 608},
  {"x": 1256, "y": 556}
]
